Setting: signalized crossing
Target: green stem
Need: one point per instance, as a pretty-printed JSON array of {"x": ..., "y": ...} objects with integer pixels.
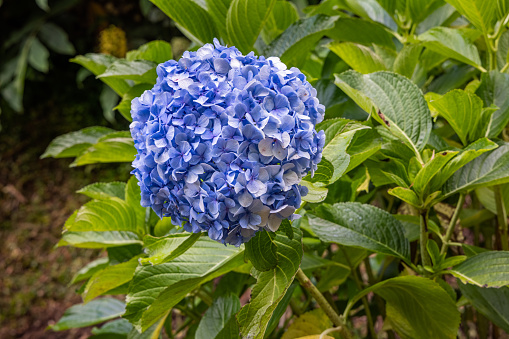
[
  {"x": 452, "y": 223},
  {"x": 426, "y": 261},
  {"x": 204, "y": 297},
  {"x": 320, "y": 299},
  {"x": 501, "y": 217}
]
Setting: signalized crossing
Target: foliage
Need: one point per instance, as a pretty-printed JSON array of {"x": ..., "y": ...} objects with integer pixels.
[{"x": 416, "y": 121}]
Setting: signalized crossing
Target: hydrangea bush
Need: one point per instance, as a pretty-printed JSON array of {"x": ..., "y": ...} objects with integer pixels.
[
  {"x": 230, "y": 147},
  {"x": 223, "y": 141}
]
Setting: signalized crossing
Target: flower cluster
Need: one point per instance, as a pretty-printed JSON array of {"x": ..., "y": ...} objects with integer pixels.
[{"x": 223, "y": 141}]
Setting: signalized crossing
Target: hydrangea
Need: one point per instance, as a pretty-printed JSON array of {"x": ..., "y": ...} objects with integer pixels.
[{"x": 224, "y": 140}]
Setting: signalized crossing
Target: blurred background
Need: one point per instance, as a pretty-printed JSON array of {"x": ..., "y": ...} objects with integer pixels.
[{"x": 44, "y": 95}]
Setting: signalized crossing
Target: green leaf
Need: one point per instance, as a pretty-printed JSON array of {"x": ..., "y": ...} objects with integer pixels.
[
  {"x": 119, "y": 326},
  {"x": 95, "y": 312},
  {"x": 407, "y": 195},
  {"x": 89, "y": 270},
  {"x": 493, "y": 89},
  {"x": 452, "y": 43},
  {"x": 137, "y": 70},
  {"x": 104, "y": 190},
  {"x": 218, "y": 10},
  {"x": 282, "y": 16},
  {"x": 245, "y": 20},
  {"x": 165, "y": 249},
  {"x": 491, "y": 168},
  {"x": 407, "y": 60},
  {"x": 280, "y": 310},
  {"x": 491, "y": 302},
  {"x": 43, "y": 4},
  {"x": 486, "y": 196},
  {"x": 315, "y": 193},
  {"x": 219, "y": 320},
  {"x": 261, "y": 250},
  {"x": 360, "y": 225},
  {"x": 293, "y": 45},
  {"x": 38, "y": 56},
  {"x": 417, "y": 307},
  {"x": 411, "y": 225},
  {"x": 364, "y": 144},
  {"x": 124, "y": 107},
  {"x": 479, "y": 12},
  {"x": 133, "y": 199},
  {"x": 97, "y": 64},
  {"x": 156, "y": 289},
  {"x": 157, "y": 51},
  {"x": 466, "y": 155},
  {"x": 488, "y": 269},
  {"x": 103, "y": 223},
  {"x": 361, "y": 58},
  {"x": 361, "y": 31},
  {"x": 193, "y": 20},
  {"x": 109, "y": 278},
  {"x": 114, "y": 147},
  {"x": 74, "y": 143},
  {"x": 271, "y": 286},
  {"x": 56, "y": 38},
  {"x": 394, "y": 101},
  {"x": 464, "y": 112},
  {"x": 430, "y": 169},
  {"x": 311, "y": 322}
]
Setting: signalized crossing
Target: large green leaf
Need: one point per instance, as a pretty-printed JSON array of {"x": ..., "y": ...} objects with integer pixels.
[
  {"x": 97, "y": 64},
  {"x": 114, "y": 147},
  {"x": 137, "y": 70},
  {"x": 464, "y": 112},
  {"x": 156, "y": 289},
  {"x": 452, "y": 43},
  {"x": 157, "y": 51},
  {"x": 417, "y": 308},
  {"x": 293, "y": 45},
  {"x": 218, "y": 10},
  {"x": 361, "y": 31},
  {"x": 95, "y": 312},
  {"x": 133, "y": 199},
  {"x": 488, "y": 169},
  {"x": 361, "y": 58},
  {"x": 165, "y": 249},
  {"x": 360, "y": 225},
  {"x": 466, "y": 155},
  {"x": 219, "y": 320},
  {"x": 283, "y": 15},
  {"x": 262, "y": 250},
  {"x": 493, "y": 91},
  {"x": 245, "y": 20},
  {"x": 492, "y": 302},
  {"x": 74, "y": 143},
  {"x": 103, "y": 223},
  {"x": 481, "y": 13},
  {"x": 109, "y": 278},
  {"x": 488, "y": 269},
  {"x": 38, "y": 57},
  {"x": 193, "y": 20},
  {"x": 104, "y": 190},
  {"x": 271, "y": 286},
  {"x": 394, "y": 101}
]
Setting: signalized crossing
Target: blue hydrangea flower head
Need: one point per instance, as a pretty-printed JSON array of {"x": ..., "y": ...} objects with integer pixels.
[{"x": 224, "y": 140}]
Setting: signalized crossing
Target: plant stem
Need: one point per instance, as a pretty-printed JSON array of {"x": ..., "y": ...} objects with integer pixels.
[
  {"x": 452, "y": 223},
  {"x": 426, "y": 261},
  {"x": 501, "y": 217},
  {"x": 326, "y": 307}
]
